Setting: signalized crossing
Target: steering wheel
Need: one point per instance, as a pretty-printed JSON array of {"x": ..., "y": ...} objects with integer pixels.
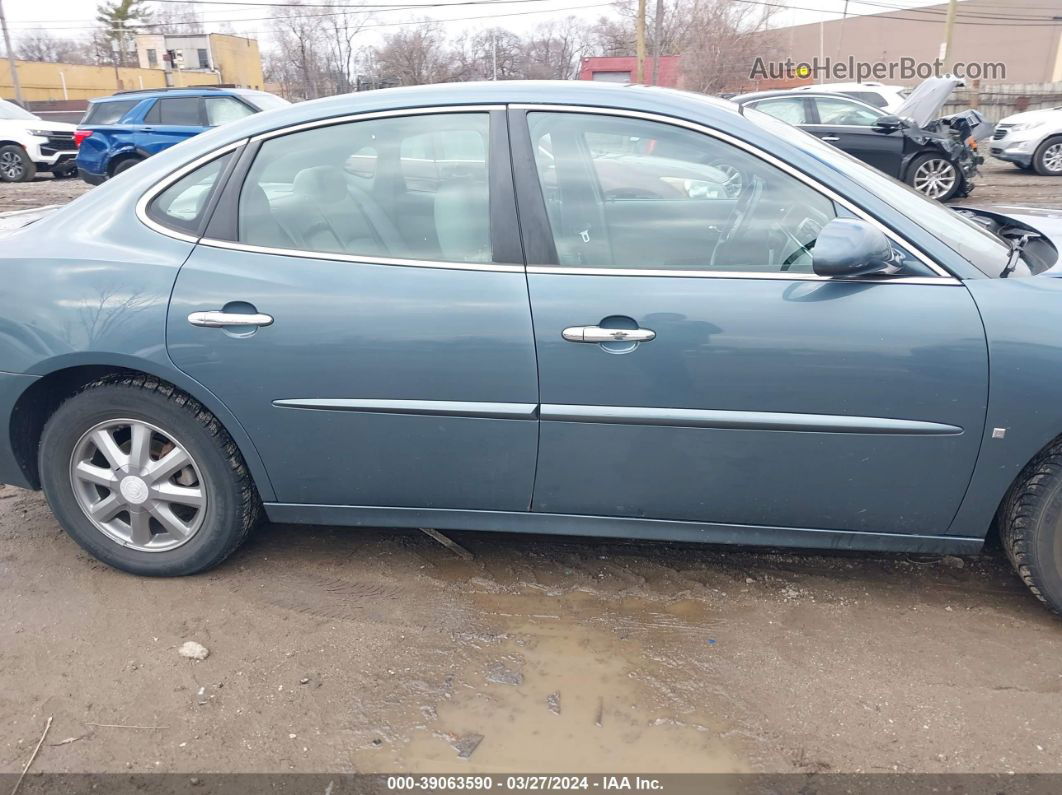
[
  {"x": 744, "y": 211},
  {"x": 812, "y": 222}
]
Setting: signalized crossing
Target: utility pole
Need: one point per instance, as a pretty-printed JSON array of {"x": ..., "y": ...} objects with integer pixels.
[
  {"x": 11, "y": 56},
  {"x": 639, "y": 44},
  {"x": 658, "y": 35},
  {"x": 949, "y": 25}
]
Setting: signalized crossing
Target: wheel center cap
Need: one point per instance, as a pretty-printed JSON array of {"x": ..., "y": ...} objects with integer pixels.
[{"x": 134, "y": 490}]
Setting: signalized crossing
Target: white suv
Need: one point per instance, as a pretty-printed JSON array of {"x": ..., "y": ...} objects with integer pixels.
[
  {"x": 887, "y": 98},
  {"x": 1031, "y": 140},
  {"x": 29, "y": 144}
]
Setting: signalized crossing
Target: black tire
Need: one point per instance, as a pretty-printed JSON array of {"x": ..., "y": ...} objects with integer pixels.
[
  {"x": 125, "y": 165},
  {"x": 232, "y": 508},
  {"x": 15, "y": 164},
  {"x": 921, "y": 160},
  {"x": 1039, "y": 161},
  {"x": 1031, "y": 526}
]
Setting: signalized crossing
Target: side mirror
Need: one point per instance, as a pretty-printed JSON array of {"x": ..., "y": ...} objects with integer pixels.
[
  {"x": 848, "y": 247},
  {"x": 889, "y": 123}
]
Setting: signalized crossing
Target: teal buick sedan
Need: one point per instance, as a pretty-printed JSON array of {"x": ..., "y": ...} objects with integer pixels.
[{"x": 532, "y": 307}]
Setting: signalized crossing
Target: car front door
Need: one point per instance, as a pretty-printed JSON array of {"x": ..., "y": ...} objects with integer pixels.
[
  {"x": 849, "y": 125},
  {"x": 169, "y": 121},
  {"x": 693, "y": 368},
  {"x": 375, "y": 357}
]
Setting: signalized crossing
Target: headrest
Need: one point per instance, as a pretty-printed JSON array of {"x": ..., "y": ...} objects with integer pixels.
[{"x": 321, "y": 183}]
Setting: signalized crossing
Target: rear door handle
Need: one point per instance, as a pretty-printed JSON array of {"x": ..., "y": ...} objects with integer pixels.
[
  {"x": 831, "y": 138},
  {"x": 216, "y": 319},
  {"x": 598, "y": 335}
]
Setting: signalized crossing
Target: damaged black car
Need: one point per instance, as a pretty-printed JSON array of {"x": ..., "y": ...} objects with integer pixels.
[{"x": 935, "y": 155}]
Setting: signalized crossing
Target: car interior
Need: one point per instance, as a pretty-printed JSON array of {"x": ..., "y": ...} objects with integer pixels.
[
  {"x": 392, "y": 188},
  {"x": 643, "y": 195}
]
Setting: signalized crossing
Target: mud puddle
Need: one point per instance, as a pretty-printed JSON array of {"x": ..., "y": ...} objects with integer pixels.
[{"x": 566, "y": 682}]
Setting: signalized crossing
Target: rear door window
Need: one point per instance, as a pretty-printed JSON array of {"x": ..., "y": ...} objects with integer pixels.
[
  {"x": 413, "y": 187},
  {"x": 180, "y": 111},
  {"x": 788, "y": 109}
]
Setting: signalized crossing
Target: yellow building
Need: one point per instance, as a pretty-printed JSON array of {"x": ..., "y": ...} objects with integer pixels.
[
  {"x": 234, "y": 59},
  {"x": 209, "y": 59}
]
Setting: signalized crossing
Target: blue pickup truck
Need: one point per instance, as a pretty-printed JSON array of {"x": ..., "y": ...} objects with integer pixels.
[{"x": 122, "y": 130}]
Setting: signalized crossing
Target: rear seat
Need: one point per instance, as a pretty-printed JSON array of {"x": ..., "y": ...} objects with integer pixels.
[{"x": 325, "y": 213}]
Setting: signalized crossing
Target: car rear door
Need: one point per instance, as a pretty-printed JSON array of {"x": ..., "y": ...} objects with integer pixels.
[
  {"x": 849, "y": 125},
  {"x": 169, "y": 121},
  {"x": 374, "y": 358},
  {"x": 738, "y": 388}
]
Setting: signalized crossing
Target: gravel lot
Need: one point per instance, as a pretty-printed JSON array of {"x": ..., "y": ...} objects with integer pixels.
[{"x": 346, "y": 650}]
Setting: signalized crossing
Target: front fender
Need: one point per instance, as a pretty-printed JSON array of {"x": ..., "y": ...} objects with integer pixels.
[{"x": 1022, "y": 318}]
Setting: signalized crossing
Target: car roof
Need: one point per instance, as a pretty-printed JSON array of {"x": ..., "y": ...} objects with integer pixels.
[
  {"x": 152, "y": 93},
  {"x": 503, "y": 92},
  {"x": 848, "y": 87},
  {"x": 741, "y": 99}
]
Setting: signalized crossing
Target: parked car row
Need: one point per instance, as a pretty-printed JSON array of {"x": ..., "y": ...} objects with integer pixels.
[
  {"x": 118, "y": 131},
  {"x": 936, "y": 156},
  {"x": 29, "y": 144}
]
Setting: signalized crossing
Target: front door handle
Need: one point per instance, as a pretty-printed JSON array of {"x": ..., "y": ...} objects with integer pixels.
[
  {"x": 216, "y": 319},
  {"x": 597, "y": 334},
  {"x": 831, "y": 138}
]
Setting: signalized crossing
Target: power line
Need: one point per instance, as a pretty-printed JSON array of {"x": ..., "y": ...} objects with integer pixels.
[{"x": 381, "y": 25}]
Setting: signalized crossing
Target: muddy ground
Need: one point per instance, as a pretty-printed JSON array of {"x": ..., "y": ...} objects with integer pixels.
[{"x": 380, "y": 650}]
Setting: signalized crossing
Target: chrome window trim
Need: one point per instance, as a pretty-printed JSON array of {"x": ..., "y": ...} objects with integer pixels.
[
  {"x": 159, "y": 187},
  {"x": 775, "y": 275},
  {"x": 168, "y": 180},
  {"x": 362, "y": 260},
  {"x": 943, "y": 277},
  {"x": 377, "y": 114}
]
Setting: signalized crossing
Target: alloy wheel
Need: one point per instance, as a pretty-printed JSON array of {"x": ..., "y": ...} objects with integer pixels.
[
  {"x": 1053, "y": 157},
  {"x": 138, "y": 485},
  {"x": 935, "y": 178},
  {"x": 11, "y": 166}
]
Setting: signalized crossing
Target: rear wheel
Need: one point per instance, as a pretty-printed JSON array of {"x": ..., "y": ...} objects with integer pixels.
[
  {"x": 935, "y": 176},
  {"x": 1048, "y": 158},
  {"x": 145, "y": 478},
  {"x": 1031, "y": 526},
  {"x": 15, "y": 164},
  {"x": 125, "y": 165}
]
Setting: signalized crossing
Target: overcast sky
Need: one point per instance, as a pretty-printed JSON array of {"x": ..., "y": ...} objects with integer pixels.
[{"x": 74, "y": 18}]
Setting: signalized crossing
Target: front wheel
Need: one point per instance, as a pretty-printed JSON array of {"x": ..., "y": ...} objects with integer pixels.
[
  {"x": 146, "y": 479},
  {"x": 1048, "y": 158},
  {"x": 1030, "y": 525},
  {"x": 935, "y": 176},
  {"x": 15, "y": 164}
]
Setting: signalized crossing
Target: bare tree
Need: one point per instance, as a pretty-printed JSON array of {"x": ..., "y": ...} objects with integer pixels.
[
  {"x": 40, "y": 45},
  {"x": 717, "y": 40},
  {"x": 495, "y": 54},
  {"x": 176, "y": 20},
  {"x": 416, "y": 55},
  {"x": 555, "y": 50},
  {"x": 314, "y": 51}
]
